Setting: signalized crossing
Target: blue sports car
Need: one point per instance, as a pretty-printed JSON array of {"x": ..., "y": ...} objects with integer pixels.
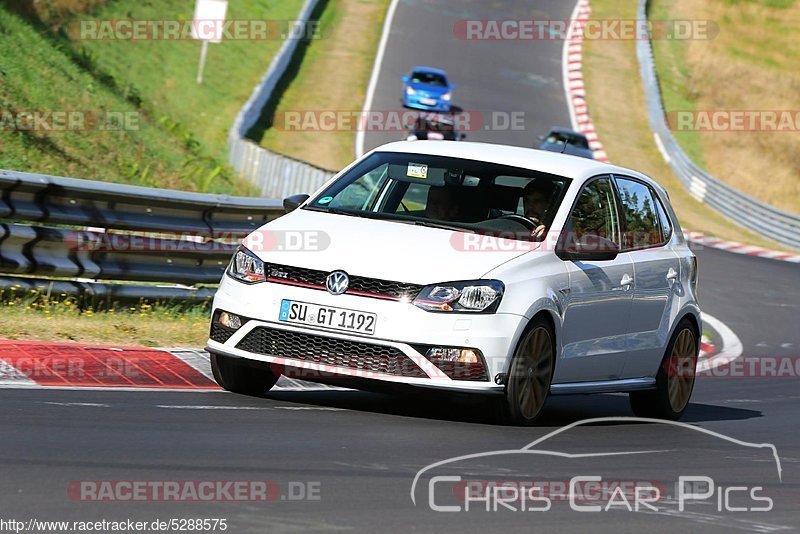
[{"x": 427, "y": 88}]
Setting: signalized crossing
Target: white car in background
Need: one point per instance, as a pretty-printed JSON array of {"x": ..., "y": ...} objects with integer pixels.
[{"x": 478, "y": 268}]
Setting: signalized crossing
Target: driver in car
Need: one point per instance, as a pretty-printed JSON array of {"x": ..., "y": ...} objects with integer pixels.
[{"x": 536, "y": 198}]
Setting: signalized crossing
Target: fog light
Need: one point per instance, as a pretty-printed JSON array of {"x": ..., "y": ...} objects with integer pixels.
[
  {"x": 452, "y": 355},
  {"x": 229, "y": 320}
]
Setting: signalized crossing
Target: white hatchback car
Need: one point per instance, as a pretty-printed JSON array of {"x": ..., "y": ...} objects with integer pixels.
[{"x": 473, "y": 268}]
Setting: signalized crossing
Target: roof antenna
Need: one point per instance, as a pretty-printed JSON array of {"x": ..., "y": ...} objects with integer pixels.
[{"x": 565, "y": 147}]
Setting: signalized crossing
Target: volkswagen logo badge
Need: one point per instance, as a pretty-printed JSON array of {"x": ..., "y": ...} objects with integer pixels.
[{"x": 337, "y": 282}]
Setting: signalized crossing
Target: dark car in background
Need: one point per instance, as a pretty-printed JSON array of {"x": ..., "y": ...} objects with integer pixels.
[
  {"x": 434, "y": 127},
  {"x": 566, "y": 141}
]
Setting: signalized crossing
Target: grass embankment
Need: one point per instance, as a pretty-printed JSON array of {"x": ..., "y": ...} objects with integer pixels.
[
  {"x": 36, "y": 316},
  {"x": 751, "y": 64},
  {"x": 616, "y": 102},
  {"x": 180, "y": 139},
  {"x": 333, "y": 75}
]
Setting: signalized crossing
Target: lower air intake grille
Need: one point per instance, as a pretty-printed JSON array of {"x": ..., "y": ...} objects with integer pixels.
[
  {"x": 330, "y": 351},
  {"x": 220, "y": 333}
]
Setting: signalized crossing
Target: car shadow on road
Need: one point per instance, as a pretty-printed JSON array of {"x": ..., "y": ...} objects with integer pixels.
[{"x": 559, "y": 410}]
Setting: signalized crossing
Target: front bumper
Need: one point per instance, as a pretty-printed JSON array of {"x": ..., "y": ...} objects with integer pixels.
[
  {"x": 413, "y": 101},
  {"x": 401, "y": 329}
]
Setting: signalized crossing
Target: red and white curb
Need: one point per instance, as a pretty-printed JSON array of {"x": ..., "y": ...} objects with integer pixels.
[
  {"x": 33, "y": 364},
  {"x": 730, "y": 348},
  {"x": 572, "y": 65},
  {"x": 740, "y": 248}
]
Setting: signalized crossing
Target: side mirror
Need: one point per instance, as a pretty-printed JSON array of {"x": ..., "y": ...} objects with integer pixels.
[
  {"x": 405, "y": 79},
  {"x": 293, "y": 202},
  {"x": 453, "y": 85},
  {"x": 462, "y": 136},
  {"x": 589, "y": 247}
]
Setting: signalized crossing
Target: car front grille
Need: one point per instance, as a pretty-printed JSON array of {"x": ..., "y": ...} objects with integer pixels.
[
  {"x": 359, "y": 285},
  {"x": 330, "y": 351}
]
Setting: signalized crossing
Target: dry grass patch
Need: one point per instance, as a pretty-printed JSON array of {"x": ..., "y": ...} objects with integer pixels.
[
  {"x": 616, "y": 102},
  {"x": 752, "y": 64},
  {"x": 333, "y": 76},
  {"x": 58, "y": 318}
]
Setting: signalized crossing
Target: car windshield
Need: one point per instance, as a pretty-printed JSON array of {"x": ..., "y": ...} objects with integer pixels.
[
  {"x": 561, "y": 138},
  {"x": 429, "y": 78},
  {"x": 458, "y": 194}
]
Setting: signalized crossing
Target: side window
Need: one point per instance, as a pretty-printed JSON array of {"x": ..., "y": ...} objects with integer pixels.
[
  {"x": 414, "y": 200},
  {"x": 595, "y": 212},
  {"x": 666, "y": 224},
  {"x": 640, "y": 210}
]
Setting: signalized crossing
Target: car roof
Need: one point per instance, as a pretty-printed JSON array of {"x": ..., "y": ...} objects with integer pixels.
[
  {"x": 432, "y": 70},
  {"x": 574, "y": 167}
]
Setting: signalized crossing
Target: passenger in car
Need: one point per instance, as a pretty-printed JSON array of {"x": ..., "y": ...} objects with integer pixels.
[{"x": 441, "y": 204}]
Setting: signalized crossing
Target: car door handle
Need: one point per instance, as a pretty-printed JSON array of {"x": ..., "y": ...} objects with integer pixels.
[
  {"x": 672, "y": 276},
  {"x": 626, "y": 281}
]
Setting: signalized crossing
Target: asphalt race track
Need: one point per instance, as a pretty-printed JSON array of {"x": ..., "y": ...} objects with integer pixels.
[
  {"x": 346, "y": 460},
  {"x": 495, "y": 79}
]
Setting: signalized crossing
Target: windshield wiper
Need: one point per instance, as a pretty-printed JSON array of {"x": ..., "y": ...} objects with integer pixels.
[
  {"x": 442, "y": 226},
  {"x": 340, "y": 211},
  {"x": 381, "y": 216}
]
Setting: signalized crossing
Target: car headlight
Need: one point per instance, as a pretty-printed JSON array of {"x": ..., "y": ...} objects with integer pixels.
[
  {"x": 410, "y": 91},
  {"x": 447, "y": 96},
  {"x": 479, "y": 296},
  {"x": 246, "y": 267}
]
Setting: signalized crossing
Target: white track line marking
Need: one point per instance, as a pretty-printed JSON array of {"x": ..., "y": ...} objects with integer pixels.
[
  {"x": 376, "y": 71},
  {"x": 208, "y": 407},
  {"x": 112, "y": 389},
  {"x": 79, "y": 404}
]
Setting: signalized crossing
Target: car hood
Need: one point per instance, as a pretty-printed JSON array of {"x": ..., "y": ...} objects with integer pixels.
[{"x": 380, "y": 249}]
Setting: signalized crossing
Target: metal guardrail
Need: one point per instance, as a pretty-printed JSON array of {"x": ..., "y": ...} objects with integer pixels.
[
  {"x": 276, "y": 175},
  {"x": 95, "y": 231},
  {"x": 771, "y": 222}
]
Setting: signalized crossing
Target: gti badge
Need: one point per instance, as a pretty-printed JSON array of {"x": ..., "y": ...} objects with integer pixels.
[{"x": 337, "y": 282}]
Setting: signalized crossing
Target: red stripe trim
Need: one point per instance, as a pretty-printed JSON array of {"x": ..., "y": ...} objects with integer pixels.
[
  {"x": 318, "y": 287},
  {"x": 293, "y": 283}
]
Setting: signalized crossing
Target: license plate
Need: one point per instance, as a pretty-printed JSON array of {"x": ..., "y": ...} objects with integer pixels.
[
  {"x": 427, "y": 101},
  {"x": 331, "y": 317}
]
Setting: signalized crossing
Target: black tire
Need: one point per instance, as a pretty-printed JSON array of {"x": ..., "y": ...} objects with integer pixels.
[
  {"x": 235, "y": 376},
  {"x": 530, "y": 375},
  {"x": 675, "y": 378}
]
